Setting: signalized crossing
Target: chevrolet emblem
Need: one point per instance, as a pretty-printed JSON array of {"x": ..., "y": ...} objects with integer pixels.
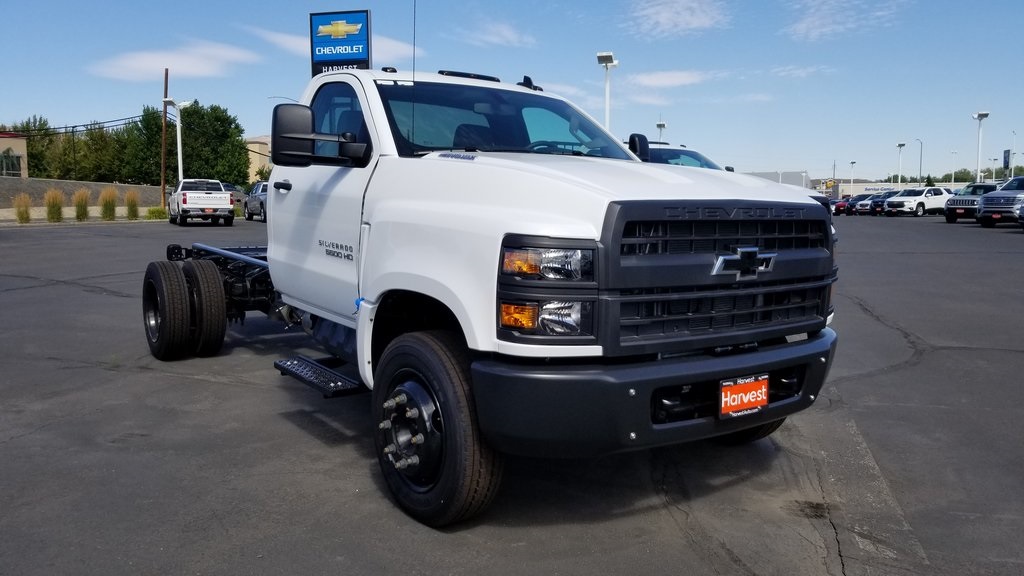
[
  {"x": 338, "y": 29},
  {"x": 745, "y": 263}
]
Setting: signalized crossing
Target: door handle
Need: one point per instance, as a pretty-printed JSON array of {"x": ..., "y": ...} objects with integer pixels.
[{"x": 284, "y": 186}]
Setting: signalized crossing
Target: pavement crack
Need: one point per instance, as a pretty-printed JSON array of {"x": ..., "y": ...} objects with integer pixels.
[{"x": 831, "y": 520}]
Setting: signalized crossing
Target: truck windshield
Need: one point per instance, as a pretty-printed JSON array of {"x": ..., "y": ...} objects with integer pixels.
[{"x": 431, "y": 116}]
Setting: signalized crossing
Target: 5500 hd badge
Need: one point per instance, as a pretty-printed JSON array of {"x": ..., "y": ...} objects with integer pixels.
[{"x": 337, "y": 249}]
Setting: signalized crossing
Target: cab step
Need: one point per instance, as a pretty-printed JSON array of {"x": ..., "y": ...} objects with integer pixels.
[{"x": 322, "y": 375}]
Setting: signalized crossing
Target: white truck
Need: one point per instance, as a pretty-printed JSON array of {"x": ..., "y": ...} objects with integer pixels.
[
  {"x": 507, "y": 278},
  {"x": 196, "y": 198}
]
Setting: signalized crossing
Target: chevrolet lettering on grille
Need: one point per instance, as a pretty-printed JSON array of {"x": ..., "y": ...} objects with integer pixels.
[{"x": 745, "y": 263}]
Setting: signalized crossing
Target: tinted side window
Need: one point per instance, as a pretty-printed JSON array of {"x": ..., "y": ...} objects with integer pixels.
[{"x": 336, "y": 110}]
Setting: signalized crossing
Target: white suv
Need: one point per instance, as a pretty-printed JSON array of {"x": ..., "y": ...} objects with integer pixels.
[{"x": 918, "y": 201}]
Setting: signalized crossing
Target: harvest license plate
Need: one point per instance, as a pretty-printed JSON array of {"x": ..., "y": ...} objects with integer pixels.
[
  {"x": 959, "y": 210},
  {"x": 743, "y": 396},
  {"x": 208, "y": 210}
]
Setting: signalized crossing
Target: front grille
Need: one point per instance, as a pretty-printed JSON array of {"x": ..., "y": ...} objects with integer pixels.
[
  {"x": 709, "y": 237},
  {"x": 665, "y": 286},
  {"x": 999, "y": 201},
  {"x": 656, "y": 314},
  {"x": 962, "y": 202},
  {"x": 894, "y": 204}
]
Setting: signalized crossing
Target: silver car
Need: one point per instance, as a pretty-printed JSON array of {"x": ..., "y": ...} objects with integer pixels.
[{"x": 256, "y": 202}]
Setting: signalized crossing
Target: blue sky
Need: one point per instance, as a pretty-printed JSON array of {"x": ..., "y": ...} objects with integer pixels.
[{"x": 762, "y": 85}]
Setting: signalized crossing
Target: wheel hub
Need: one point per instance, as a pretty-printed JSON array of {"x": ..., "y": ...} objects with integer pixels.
[{"x": 413, "y": 433}]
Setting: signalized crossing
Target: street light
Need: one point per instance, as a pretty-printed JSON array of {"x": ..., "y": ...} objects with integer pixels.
[
  {"x": 660, "y": 126},
  {"x": 979, "y": 116},
  {"x": 952, "y": 176},
  {"x": 607, "y": 60},
  {"x": 920, "y": 157},
  {"x": 994, "y": 160},
  {"x": 899, "y": 171},
  {"x": 179, "y": 106},
  {"x": 852, "y": 162}
]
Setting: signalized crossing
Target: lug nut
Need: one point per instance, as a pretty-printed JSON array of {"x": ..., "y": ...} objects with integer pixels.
[
  {"x": 417, "y": 439},
  {"x": 392, "y": 402},
  {"x": 412, "y": 413},
  {"x": 406, "y": 462},
  {"x": 390, "y": 449},
  {"x": 384, "y": 425}
]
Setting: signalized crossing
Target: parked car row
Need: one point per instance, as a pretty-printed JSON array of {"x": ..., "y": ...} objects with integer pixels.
[
  {"x": 986, "y": 203},
  {"x": 916, "y": 201}
]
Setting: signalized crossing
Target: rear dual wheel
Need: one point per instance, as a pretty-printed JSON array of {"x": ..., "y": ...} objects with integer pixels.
[{"x": 183, "y": 309}]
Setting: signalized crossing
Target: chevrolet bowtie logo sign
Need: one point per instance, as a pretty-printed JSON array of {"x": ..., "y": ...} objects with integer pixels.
[
  {"x": 338, "y": 29},
  {"x": 745, "y": 263}
]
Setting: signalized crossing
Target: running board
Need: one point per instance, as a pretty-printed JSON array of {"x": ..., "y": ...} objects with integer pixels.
[{"x": 327, "y": 380}]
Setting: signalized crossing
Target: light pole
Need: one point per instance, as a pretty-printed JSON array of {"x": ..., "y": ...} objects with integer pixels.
[
  {"x": 607, "y": 60},
  {"x": 899, "y": 171},
  {"x": 179, "y": 106},
  {"x": 852, "y": 162},
  {"x": 920, "y": 157},
  {"x": 994, "y": 160},
  {"x": 979, "y": 116},
  {"x": 952, "y": 175},
  {"x": 660, "y": 126}
]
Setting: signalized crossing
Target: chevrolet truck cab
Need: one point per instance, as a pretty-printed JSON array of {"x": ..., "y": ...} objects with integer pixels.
[{"x": 507, "y": 278}]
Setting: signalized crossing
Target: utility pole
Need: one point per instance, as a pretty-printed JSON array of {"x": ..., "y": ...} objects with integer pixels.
[{"x": 164, "y": 200}]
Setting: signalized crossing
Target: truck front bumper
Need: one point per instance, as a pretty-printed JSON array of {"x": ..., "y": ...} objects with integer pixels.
[{"x": 563, "y": 409}]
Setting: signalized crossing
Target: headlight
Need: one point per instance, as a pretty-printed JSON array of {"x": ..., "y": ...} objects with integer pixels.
[
  {"x": 551, "y": 318},
  {"x": 548, "y": 263}
]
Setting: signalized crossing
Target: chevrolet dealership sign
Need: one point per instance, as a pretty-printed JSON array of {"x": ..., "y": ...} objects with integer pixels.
[{"x": 339, "y": 41}]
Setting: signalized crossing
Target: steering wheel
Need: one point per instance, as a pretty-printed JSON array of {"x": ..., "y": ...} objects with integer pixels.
[{"x": 546, "y": 147}]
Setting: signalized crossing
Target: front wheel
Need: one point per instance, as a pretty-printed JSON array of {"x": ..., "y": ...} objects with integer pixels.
[
  {"x": 245, "y": 212},
  {"x": 919, "y": 210},
  {"x": 431, "y": 453}
]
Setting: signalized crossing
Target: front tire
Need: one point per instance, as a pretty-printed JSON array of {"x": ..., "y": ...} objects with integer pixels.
[
  {"x": 165, "y": 310},
  {"x": 246, "y": 213},
  {"x": 208, "y": 306},
  {"x": 429, "y": 446},
  {"x": 919, "y": 210}
]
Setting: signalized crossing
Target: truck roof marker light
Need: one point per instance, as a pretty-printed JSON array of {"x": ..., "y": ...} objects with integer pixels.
[{"x": 521, "y": 316}]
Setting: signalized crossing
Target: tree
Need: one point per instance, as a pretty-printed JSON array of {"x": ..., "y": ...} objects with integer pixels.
[
  {"x": 138, "y": 146},
  {"x": 263, "y": 172}
]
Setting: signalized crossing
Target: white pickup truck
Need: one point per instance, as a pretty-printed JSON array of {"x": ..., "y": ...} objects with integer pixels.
[
  {"x": 205, "y": 199},
  {"x": 507, "y": 278}
]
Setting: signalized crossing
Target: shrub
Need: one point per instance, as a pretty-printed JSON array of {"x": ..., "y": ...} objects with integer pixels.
[
  {"x": 131, "y": 202},
  {"x": 108, "y": 203},
  {"x": 22, "y": 208},
  {"x": 54, "y": 202},
  {"x": 81, "y": 201},
  {"x": 156, "y": 213}
]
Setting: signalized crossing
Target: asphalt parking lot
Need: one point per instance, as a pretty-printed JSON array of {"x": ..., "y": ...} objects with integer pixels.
[{"x": 112, "y": 462}]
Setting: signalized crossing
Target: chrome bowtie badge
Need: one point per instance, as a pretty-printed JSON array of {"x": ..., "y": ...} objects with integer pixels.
[{"x": 745, "y": 263}]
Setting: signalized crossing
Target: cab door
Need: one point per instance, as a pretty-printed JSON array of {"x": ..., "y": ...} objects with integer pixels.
[{"x": 314, "y": 233}]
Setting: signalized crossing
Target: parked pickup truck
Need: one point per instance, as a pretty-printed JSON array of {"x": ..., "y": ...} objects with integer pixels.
[
  {"x": 205, "y": 199},
  {"x": 507, "y": 278}
]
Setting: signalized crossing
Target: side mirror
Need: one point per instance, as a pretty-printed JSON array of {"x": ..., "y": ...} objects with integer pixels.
[
  {"x": 730, "y": 169},
  {"x": 291, "y": 131},
  {"x": 639, "y": 146}
]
